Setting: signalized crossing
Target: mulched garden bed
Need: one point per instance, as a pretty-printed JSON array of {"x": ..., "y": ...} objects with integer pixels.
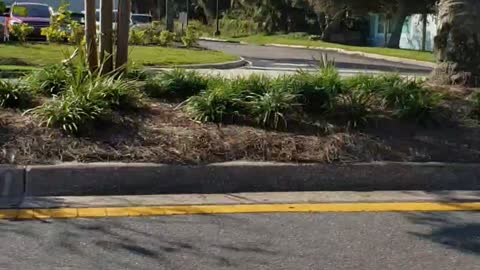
[{"x": 164, "y": 134}]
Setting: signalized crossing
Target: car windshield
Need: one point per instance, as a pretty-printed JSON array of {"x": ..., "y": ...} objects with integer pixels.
[
  {"x": 31, "y": 11},
  {"x": 141, "y": 19}
]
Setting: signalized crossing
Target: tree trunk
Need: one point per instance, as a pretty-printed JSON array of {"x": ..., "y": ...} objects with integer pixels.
[
  {"x": 457, "y": 44},
  {"x": 90, "y": 35},
  {"x": 424, "y": 31},
  {"x": 169, "y": 16},
  {"x": 123, "y": 29},
  {"x": 396, "y": 24},
  {"x": 106, "y": 42}
]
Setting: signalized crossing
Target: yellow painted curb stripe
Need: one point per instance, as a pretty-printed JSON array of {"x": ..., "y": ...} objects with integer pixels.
[{"x": 235, "y": 209}]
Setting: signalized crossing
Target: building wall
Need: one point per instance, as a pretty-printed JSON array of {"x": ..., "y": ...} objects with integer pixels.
[{"x": 411, "y": 34}]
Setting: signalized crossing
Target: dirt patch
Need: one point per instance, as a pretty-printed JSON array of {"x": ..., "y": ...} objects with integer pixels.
[{"x": 164, "y": 134}]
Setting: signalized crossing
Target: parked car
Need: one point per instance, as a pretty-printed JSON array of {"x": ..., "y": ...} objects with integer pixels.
[
  {"x": 34, "y": 14},
  {"x": 139, "y": 19}
]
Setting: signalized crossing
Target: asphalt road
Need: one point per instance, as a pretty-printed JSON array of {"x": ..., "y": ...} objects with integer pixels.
[
  {"x": 279, "y": 58},
  {"x": 410, "y": 241}
]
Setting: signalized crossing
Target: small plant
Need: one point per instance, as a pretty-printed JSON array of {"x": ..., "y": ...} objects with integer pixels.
[
  {"x": 271, "y": 107},
  {"x": 57, "y": 31},
  {"x": 21, "y": 31},
  {"x": 409, "y": 100},
  {"x": 77, "y": 33},
  {"x": 318, "y": 90},
  {"x": 355, "y": 107},
  {"x": 215, "y": 105},
  {"x": 166, "y": 38},
  {"x": 137, "y": 37},
  {"x": 191, "y": 37},
  {"x": 54, "y": 34},
  {"x": 13, "y": 95},
  {"x": 177, "y": 83},
  {"x": 51, "y": 80}
]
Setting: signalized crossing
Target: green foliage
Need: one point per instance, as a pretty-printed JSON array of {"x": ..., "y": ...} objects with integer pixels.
[
  {"x": 410, "y": 100},
  {"x": 476, "y": 105},
  {"x": 53, "y": 34},
  {"x": 272, "y": 106},
  {"x": 13, "y": 95},
  {"x": 216, "y": 104},
  {"x": 191, "y": 37},
  {"x": 21, "y": 31},
  {"x": 319, "y": 89},
  {"x": 85, "y": 98},
  {"x": 51, "y": 80},
  {"x": 176, "y": 83},
  {"x": 355, "y": 106},
  {"x": 137, "y": 37},
  {"x": 235, "y": 27},
  {"x": 166, "y": 38},
  {"x": 77, "y": 33}
]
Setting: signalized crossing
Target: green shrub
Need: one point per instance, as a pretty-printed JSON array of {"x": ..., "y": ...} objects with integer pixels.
[
  {"x": 118, "y": 93},
  {"x": 13, "y": 95},
  {"x": 191, "y": 37},
  {"x": 54, "y": 34},
  {"x": 72, "y": 111},
  {"x": 476, "y": 105},
  {"x": 77, "y": 33},
  {"x": 137, "y": 37},
  {"x": 166, "y": 38},
  {"x": 272, "y": 106},
  {"x": 21, "y": 31},
  {"x": 215, "y": 105},
  {"x": 177, "y": 83},
  {"x": 318, "y": 90},
  {"x": 354, "y": 106},
  {"x": 410, "y": 100},
  {"x": 253, "y": 84},
  {"x": 51, "y": 80}
]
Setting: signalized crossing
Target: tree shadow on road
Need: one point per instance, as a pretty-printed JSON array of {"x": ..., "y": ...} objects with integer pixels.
[{"x": 449, "y": 229}]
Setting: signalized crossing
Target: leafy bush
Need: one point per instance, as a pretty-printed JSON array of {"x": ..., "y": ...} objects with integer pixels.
[
  {"x": 191, "y": 37},
  {"x": 409, "y": 100},
  {"x": 72, "y": 111},
  {"x": 318, "y": 90},
  {"x": 165, "y": 38},
  {"x": 21, "y": 31},
  {"x": 215, "y": 105},
  {"x": 54, "y": 34},
  {"x": 51, "y": 80},
  {"x": 137, "y": 37},
  {"x": 271, "y": 107},
  {"x": 77, "y": 33},
  {"x": 13, "y": 95},
  {"x": 355, "y": 106},
  {"x": 253, "y": 84},
  {"x": 177, "y": 83}
]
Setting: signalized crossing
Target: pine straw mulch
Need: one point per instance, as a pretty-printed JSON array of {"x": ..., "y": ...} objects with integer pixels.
[{"x": 164, "y": 134}]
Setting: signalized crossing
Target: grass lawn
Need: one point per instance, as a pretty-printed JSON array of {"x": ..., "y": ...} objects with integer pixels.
[
  {"x": 289, "y": 40},
  {"x": 15, "y": 56}
]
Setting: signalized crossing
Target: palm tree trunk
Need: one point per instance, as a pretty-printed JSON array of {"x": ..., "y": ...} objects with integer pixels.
[
  {"x": 106, "y": 42},
  {"x": 123, "y": 29},
  {"x": 91, "y": 35},
  {"x": 457, "y": 44}
]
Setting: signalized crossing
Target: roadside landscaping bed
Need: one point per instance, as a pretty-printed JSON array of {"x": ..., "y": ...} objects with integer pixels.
[
  {"x": 181, "y": 117},
  {"x": 305, "y": 41}
]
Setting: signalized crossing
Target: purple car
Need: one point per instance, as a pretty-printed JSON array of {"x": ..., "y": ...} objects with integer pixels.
[{"x": 34, "y": 14}]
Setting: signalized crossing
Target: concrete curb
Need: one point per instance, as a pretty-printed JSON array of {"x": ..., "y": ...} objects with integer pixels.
[
  {"x": 140, "y": 179},
  {"x": 222, "y": 40},
  {"x": 227, "y": 65},
  {"x": 356, "y": 53}
]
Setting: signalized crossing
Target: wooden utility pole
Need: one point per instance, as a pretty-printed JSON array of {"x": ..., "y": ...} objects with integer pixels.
[
  {"x": 106, "y": 41},
  {"x": 123, "y": 29},
  {"x": 90, "y": 35}
]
